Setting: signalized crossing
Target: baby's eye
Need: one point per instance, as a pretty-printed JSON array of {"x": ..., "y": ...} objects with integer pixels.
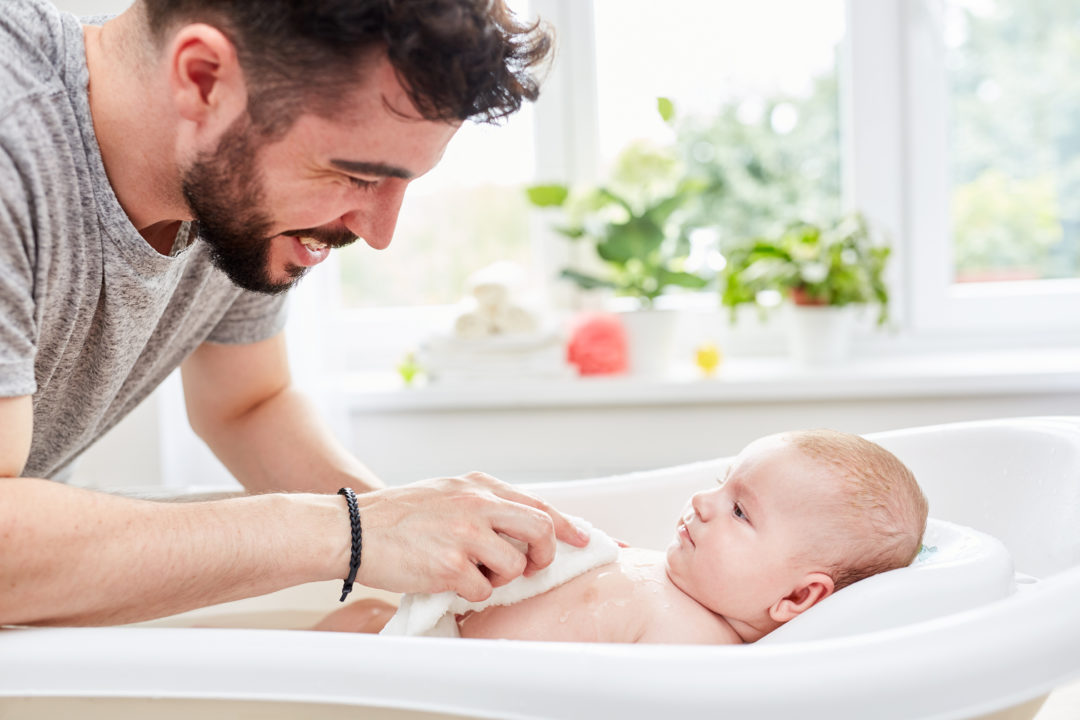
[{"x": 737, "y": 511}]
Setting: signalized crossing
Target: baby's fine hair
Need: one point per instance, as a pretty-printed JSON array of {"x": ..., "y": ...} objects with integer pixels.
[{"x": 881, "y": 502}]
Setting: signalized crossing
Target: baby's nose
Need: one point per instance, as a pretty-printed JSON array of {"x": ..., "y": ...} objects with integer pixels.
[{"x": 700, "y": 503}]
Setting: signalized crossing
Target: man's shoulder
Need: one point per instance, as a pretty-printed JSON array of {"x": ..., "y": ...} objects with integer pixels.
[{"x": 32, "y": 43}]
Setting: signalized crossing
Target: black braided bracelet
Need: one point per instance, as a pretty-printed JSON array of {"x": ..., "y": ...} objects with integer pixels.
[{"x": 354, "y": 520}]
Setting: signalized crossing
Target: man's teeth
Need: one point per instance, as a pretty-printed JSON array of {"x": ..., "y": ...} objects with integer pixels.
[{"x": 313, "y": 244}]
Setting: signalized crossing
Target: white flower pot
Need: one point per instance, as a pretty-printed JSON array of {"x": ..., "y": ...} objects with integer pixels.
[
  {"x": 650, "y": 340},
  {"x": 820, "y": 334}
]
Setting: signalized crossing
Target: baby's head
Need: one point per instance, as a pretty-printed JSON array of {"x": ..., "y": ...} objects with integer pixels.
[{"x": 797, "y": 517}]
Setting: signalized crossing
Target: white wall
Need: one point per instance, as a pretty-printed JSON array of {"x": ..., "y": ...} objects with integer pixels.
[{"x": 567, "y": 443}]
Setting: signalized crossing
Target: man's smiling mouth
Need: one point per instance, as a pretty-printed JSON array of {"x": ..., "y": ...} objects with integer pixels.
[{"x": 312, "y": 243}]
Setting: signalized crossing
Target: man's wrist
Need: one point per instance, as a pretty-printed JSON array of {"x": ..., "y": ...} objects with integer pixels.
[
  {"x": 324, "y": 531},
  {"x": 356, "y": 544}
]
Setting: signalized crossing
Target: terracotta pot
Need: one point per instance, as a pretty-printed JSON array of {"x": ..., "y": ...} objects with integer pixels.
[{"x": 801, "y": 298}]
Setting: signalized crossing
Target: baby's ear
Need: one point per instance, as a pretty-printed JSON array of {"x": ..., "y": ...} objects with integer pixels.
[{"x": 814, "y": 588}]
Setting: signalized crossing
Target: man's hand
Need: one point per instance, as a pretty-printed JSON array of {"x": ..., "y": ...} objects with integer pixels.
[{"x": 444, "y": 534}]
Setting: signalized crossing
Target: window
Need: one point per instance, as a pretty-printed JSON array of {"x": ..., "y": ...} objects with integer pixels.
[
  {"x": 992, "y": 153},
  {"x": 805, "y": 109},
  {"x": 756, "y": 100},
  {"x": 1014, "y": 109}
]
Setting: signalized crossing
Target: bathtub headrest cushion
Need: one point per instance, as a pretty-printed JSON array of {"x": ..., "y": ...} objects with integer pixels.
[{"x": 957, "y": 569}]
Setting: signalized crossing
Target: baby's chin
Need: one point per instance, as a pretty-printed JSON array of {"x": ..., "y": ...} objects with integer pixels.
[{"x": 672, "y": 576}]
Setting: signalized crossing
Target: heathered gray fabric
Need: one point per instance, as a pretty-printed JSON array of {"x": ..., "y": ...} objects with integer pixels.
[{"x": 91, "y": 317}]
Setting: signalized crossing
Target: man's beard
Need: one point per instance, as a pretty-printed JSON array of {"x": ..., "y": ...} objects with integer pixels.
[{"x": 226, "y": 197}]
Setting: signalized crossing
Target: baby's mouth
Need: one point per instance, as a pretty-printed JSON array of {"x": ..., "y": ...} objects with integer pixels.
[{"x": 684, "y": 532}]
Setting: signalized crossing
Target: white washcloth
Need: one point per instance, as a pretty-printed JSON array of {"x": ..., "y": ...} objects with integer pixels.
[{"x": 433, "y": 615}]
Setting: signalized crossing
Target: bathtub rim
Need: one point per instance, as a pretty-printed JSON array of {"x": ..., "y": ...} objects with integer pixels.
[{"x": 883, "y": 672}]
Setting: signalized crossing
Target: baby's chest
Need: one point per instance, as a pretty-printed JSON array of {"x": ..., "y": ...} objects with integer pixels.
[{"x": 594, "y": 607}]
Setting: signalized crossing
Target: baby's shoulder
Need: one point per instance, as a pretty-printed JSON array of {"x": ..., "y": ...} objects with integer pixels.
[
  {"x": 689, "y": 626},
  {"x": 668, "y": 614}
]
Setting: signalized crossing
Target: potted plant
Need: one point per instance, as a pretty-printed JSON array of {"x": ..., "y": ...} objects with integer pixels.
[
  {"x": 826, "y": 271},
  {"x": 636, "y": 223}
]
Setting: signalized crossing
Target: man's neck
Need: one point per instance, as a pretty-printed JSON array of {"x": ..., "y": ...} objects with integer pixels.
[{"x": 133, "y": 126}]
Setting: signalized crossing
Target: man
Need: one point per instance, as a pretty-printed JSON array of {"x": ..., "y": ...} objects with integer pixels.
[{"x": 280, "y": 130}]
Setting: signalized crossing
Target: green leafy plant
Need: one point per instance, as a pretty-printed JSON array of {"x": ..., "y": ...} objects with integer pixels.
[
  {"x": 839, "y": 264},
  {"x": 636, "y": 222}
]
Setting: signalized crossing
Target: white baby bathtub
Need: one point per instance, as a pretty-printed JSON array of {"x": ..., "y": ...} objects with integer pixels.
[{"x": 1017, "y": 480}]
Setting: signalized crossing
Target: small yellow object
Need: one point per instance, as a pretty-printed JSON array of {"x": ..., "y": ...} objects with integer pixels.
[
  {"x": 408, "y": 368},
  {"x": 708, "y": 357}
]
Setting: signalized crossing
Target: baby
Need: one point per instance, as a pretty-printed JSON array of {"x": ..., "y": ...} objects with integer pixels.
[{"x": 796, "y": 517}]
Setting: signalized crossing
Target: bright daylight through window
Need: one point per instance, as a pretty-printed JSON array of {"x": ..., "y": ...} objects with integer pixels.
[
  {"x": 755, "y": 101},
  {"x": 1015, "y": 138}
]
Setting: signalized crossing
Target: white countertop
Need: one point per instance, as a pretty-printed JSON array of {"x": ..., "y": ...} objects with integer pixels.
[{"x": 738, "y": 380}]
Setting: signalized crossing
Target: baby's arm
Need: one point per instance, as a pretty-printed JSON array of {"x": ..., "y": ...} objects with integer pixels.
[{"x": 365, "y": 616}]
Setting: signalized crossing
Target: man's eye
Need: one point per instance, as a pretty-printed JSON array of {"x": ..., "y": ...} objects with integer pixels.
[{"x": 362, "y": 184}]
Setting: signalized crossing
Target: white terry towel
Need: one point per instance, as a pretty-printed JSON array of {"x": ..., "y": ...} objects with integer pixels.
[{"x": 433, "y": 615}]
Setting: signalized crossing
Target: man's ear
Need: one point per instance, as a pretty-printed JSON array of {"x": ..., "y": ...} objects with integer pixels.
[
  {"x": 814, "y": 588},
  {"x": 206, "y": 83}
]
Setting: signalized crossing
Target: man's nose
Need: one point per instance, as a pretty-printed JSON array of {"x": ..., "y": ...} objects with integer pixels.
[{"x": 374, "y": 221}]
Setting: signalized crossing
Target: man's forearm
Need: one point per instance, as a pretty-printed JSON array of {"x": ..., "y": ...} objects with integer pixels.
[
  {"x": 283, "y": 444},
  {"x": 72, "y": 556}
]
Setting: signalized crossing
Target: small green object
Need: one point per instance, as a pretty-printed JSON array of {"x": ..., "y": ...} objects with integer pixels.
[
  {"x": 666, "y": 108},
  {"x": 547, "y": 195},
  {"x": 409, "y": 369}
]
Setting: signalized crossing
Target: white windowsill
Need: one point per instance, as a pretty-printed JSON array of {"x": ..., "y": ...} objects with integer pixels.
[{"x": 1044, "y": 371}]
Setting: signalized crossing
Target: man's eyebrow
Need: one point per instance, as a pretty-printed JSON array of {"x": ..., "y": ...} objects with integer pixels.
[{"x": 361, "y": 167}]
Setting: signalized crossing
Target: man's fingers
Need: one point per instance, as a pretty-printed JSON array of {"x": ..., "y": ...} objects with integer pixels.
[
  {"x": 472, "y": 585},
  {"x": 502, "y": 561},
  {"x": 564, "y": 529},
  {"x": 532, "y": 528},
  {"x": 434, "y": 535}
]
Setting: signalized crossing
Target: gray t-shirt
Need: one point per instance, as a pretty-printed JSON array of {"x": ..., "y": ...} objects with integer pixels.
[{"x": 91, "y": 317}]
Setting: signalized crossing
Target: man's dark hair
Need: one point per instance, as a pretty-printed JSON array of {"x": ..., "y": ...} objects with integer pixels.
[{"x": 457, "y": 59}]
